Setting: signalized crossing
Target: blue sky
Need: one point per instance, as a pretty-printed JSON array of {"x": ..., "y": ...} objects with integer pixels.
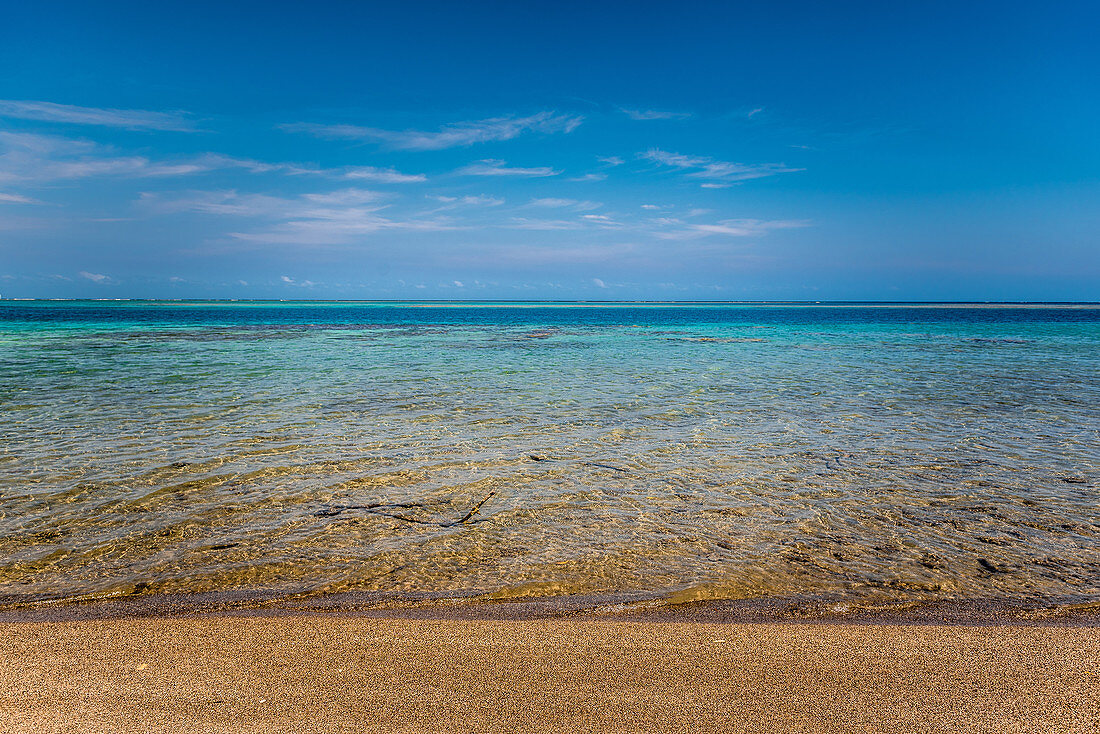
[{"x": 550, "y": 151}]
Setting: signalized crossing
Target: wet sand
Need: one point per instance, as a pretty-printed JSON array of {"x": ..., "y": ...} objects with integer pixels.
[{"x": 349, "y": 673}]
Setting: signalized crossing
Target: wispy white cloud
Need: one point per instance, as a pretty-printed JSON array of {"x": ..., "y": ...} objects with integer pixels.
[
  {"x": 16, "y": 199},
  {"x": 344, "y": 197},
  {"x": 584, "y": 221},
  {"x": 227, "y": 203},
  {"x": 466, "y": 202},
  {"x": 599, "y": 283},
  {"x": 231, "y": 203},
  {"x": 491, "y": 167},
  {"x": 721, "y": 173},
  {"x": 95, "y": 277},
  {"x": 126, "y": 119},
  {"x": 544, "y": 224},
  {"x": 215, "y": 161},
  {"x": 453, "y": 135},
  {"x": 609, "y": 161},
  {"x": 478, "y": 200},
  {"x": 329, "y": 218},
  {"x": 300, "y": 283},
  {"x": 382, "y": 175},
  {"x": 335, "y": 227},
  {"x": 602, "y": 220},
  {"x": 31, "y": 157},
  {"x": 672, "y": 229},
  {"x": 655, "y": 115},
  {"x": 555, "y": 203}
]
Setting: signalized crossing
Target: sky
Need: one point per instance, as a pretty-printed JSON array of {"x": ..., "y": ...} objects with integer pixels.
[{"x": 594, "y": 151}]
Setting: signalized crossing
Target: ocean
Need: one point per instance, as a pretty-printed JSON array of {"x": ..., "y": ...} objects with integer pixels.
[{"x": 852, "y": 455}]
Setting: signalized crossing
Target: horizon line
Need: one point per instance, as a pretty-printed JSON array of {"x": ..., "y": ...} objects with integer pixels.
[{"x": 822, "y": 302}]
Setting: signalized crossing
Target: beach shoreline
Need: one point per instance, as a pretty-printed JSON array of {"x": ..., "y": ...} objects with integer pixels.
[
  {"x": 623, "y": 607},
  {"x": 340, "y": 672}
]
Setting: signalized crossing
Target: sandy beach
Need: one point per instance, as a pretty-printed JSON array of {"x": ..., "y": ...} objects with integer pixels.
[{"x": 347, "y": 673}]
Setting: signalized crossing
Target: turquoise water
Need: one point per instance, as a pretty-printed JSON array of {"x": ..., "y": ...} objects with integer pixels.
[{"x": 675, "y": 452}]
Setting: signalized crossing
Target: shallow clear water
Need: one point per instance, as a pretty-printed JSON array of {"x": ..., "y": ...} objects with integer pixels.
[{"x": 868, "y": 453}]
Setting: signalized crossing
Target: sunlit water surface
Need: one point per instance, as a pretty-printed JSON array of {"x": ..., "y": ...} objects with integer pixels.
[{"x": 680, "y": 452}]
